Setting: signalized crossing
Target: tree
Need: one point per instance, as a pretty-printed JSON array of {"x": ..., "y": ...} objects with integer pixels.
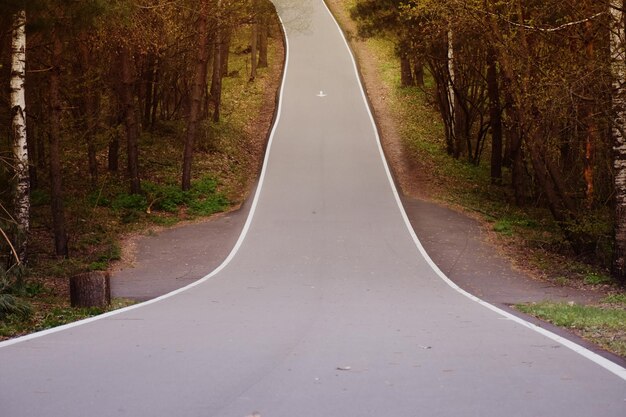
[
  {"x": 54, "y": 133},
  {"x": 618, "y": 55},
  {"x": 254, "y": 41},
  {"x": 220, "y": 57},
  {"x": 197, "y": 90},
  {"x": 130, "y": 117},
  {"x": 20, "y": 145}
]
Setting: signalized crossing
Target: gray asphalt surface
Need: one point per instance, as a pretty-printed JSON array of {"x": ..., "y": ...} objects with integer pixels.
[{"x": 326, "y": 309}]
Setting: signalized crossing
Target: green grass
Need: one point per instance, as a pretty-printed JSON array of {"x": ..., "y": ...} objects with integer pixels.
[
  {"x": 594, "y": 278},
  {"x": 58, "y": 314},
  {"x": 603, "y": 325},
  {"x": 616, "y": 299}
]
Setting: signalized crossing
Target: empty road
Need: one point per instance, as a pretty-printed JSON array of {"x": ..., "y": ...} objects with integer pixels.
[{"x": 325, "y": 308}]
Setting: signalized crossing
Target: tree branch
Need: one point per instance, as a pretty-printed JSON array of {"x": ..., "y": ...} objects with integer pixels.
[{"x": 546, "y": 30}]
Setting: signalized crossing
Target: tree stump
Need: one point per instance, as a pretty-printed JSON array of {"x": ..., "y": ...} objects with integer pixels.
[{"x": 91, "y": 289}]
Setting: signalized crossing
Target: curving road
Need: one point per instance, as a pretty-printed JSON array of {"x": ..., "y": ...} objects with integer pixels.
[{"x": 326, "y": 307}]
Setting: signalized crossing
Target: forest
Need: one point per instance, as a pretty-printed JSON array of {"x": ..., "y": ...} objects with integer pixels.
[
  {"x": 534, "y": 89},
  {"x": 122, "y": 112}
]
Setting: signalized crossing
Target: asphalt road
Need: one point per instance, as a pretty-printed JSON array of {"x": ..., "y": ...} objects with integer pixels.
[{"x": 326, "y": 307}]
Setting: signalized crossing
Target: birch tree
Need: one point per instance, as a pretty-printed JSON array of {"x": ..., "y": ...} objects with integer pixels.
[
  {"x": 20, "y": 147},
  {"x": 618, "y": 42},
  {"x": 451, "y": 95}
]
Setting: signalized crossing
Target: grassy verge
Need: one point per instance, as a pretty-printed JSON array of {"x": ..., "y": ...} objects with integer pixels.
[
  {"x": 604, "y": 324},
  {"x": 226, "y": 162},
  {"x": 529, "y": 235},
  {"x": 51, "y": 310}
]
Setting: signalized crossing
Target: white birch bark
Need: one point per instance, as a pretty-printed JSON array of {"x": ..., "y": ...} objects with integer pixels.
[
  {"x": 20, "y": 148},
  {"x": 451, "y": 81}
]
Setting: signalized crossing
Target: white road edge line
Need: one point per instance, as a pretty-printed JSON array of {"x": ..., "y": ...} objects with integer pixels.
[
  {"x": 602, "y": 361},
  {"x": 605, "y": 363},
  {"x": 223, "y": 265}
]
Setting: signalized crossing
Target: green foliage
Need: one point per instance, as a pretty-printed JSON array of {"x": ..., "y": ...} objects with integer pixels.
[
  {"x": 136, "y": 202},
  {"x": 97, "y": 199},
  {"x": 594, "y": 278},
  {"x": 376, "y": 16},
  {"x": 202, "y": 199},
  {"x": 108, "y": 252},
  {"x": 39, "y": 198},
  {"x": 98, "y": 266},
  {"x": 510, "y": 224},
  {"x": 34, "y": 288},
  {"x": 504, "y": 227},
  {"x": 618, "y": 299},
  {"x": 130, "y": 207},
  {"x": 164, "y": 197},
  {"x": 205, "y": 200},
  {"x": 64, "y": 315},
  {"x": 208, "y": 205},
  {"x": 11, "y": 304}
]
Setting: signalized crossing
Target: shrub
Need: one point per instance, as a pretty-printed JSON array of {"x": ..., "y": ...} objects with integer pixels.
[
  {"x": 135, "y": 202},
  {"x": 10, "y": 302},
  {"x": 164, "y": 197}
]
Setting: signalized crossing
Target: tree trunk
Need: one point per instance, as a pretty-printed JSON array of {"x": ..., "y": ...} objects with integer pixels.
[
  {"x": 618, "y": 55},
  {"x": 56, "y": 185},
  {"x": 254, "y": 41},
  {"x": 406, "y": 72},
  {"x": 155, "y": 93},
  {"x": 89, "y": 112},
  {"x": 451, "y": 95},
  {"x": 495, "y": 115},
  {"x": 149, "y": 89},
  {"x": 130, "y": 119},
  {"x": 418, "y": 72},
  {"x": 216, "y": 78},
  {"x": 591, "y": 128},
  {"x": 514, "y": 87},
  {"x": 114, "y": 152},
  {"x": 197, "y": 90},
  {"x": 227, "y": 35},
  {"x": 91, "y": 289},
  {"x": 263, "y": 32},
  {"x": 20, "y": 144}
]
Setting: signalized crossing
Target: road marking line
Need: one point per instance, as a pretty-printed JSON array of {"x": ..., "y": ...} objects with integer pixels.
[{"x": 599, "y": 360}]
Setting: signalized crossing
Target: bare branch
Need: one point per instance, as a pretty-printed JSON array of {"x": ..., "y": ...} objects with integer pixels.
[
  {"x": 17, "y": 258},
  {"x": 547, "y": 30}
]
